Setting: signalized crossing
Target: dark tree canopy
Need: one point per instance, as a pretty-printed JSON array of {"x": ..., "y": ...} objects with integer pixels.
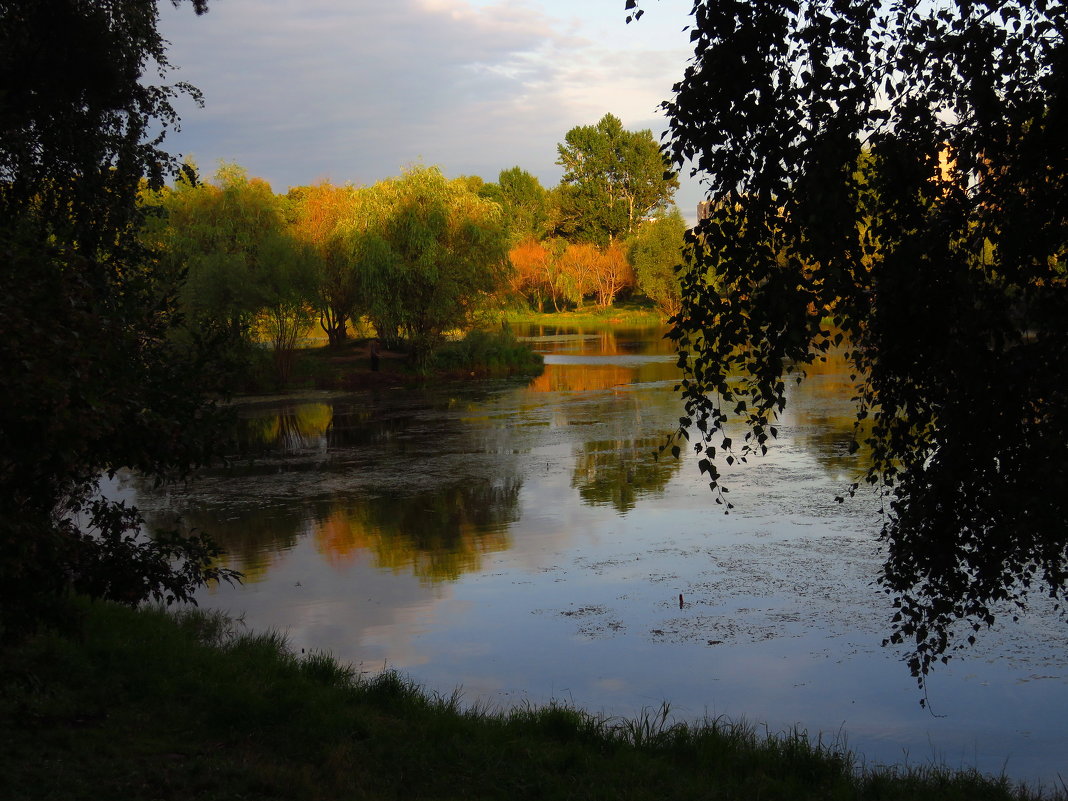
[
  {"x": 93, "y": 379},
  {"x": 891, "y": 178}
]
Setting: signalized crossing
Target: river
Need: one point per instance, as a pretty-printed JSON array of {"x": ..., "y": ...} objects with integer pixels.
[{"x": 518, "y": 540}]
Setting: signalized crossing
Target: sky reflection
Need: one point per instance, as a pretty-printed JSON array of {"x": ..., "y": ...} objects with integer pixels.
[{"x": 520, "y": 541}]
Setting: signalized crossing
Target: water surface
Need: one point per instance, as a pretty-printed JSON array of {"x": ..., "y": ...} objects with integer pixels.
[{"x": 519, "y": 540}]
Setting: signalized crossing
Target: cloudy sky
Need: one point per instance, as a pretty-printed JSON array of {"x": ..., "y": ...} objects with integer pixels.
[{"x": 297, "y": 91}]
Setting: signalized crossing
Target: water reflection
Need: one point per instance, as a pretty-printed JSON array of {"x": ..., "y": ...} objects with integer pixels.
[
  {"x": 561, "y": 376},
  {"x": 602, "y": 340},
  {"x": 436, "y": 536},
  {"x": 519, "y": 539},
  {"x": 824, "y": 420},
  {"x": 289, "y": 428},
  {"x": 617, "y": 473}
]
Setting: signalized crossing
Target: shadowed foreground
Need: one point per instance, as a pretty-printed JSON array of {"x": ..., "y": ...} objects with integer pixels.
[{"x": 145, "y": 705}]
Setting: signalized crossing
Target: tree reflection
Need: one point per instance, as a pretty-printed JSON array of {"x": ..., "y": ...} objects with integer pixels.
[
  {"x": 251, "y": 538},
  {"x": 437, "y": 535},
  {"x": 293, "y": 427},
  {"x": 617, "y": 472},
  {"x": 825, "y": 421},
  {"x": 599, "y": 340},
  {"x": 594, "y": 377}
]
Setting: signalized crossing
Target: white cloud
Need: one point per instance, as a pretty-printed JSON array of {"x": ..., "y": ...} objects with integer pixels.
[{"x": 329, "y": 88}]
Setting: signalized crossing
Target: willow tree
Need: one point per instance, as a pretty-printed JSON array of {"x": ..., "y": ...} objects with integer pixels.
[
  {"x": 447, "y": 257},
  {"x": 316, "y": 215},
  {"x": 941, "y": 266},
  {"x": 246, "y": 273}
]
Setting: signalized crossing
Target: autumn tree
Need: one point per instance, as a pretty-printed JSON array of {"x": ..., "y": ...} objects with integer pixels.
[
  {"x": 529, "y": 260},
  {"x": 941, "y": 265},
  {"x": 613, "y": 178},
  {"x": 612, "y": 274},
  {"x": 578, "y": 264},
  {"x": 539, "y": 274},
  {"x": 319, "y": 215}
]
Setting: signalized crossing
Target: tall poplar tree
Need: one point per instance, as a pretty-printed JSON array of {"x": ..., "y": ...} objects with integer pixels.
[{"x": 613, "y": 178}]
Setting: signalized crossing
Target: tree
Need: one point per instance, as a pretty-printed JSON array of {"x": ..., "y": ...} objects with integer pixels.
[
  {"x": 539, "y": 272},
  {"x": 319, "y": 214},
  {"x": 446, "y": 255},
  {"x": 613, "y": 179},
  {"x": 655, "y": 252},
  {"x": 286, "y": 284},
  {"x": 530, "y": 260},
  {"x": 94, "y": 378},
  {"x": 220, "y": 232},
  {"x": 941, "y": 266},
  {"x": 577, "y": 265},
  {"x": 612, "y": 274},
  {"x": 247, "y": 272},
  {"x": 524, "y": 204}
]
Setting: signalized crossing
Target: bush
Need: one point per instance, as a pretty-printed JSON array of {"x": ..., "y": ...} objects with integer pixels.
[{"x": 493, "y": 353}]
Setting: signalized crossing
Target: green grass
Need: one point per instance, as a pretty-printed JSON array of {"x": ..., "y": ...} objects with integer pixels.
[
  {"x": 630, "y": 313},
  {"x": 493, "y": 353},
  {"x": 145, "y": 705}
]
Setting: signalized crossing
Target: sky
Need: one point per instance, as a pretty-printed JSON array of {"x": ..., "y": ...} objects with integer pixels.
[{"x": 298, "y": 91}]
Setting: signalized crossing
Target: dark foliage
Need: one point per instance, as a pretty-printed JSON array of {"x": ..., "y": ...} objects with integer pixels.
[
  {"x": 898, "y": 169},
  {"x": 93, "y": 378}
]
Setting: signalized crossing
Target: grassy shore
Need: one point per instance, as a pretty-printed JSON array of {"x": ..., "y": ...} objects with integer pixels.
[
  {"x": 348, "y": 366},
  {"x": 145, "y": 705},
  {"x": 621, "y": 314}
]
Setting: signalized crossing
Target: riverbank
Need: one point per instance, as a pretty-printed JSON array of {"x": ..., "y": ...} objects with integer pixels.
[
  {"x": 621, "y": 314},
  {"x": 143, "y": 705},
  {"x": 348, "y": 366}
]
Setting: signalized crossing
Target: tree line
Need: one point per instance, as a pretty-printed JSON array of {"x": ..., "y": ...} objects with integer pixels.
[
  {"x": 415, "y": 255},
  {"x": 419, "y": 255}
]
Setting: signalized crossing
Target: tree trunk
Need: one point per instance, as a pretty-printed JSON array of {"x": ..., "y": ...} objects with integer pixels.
[{"x": 335, "y": 325}]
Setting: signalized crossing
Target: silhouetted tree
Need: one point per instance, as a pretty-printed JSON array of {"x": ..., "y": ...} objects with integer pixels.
[
  {"x": 93, "y": 378},
  {"x": 941, "y": 264}
]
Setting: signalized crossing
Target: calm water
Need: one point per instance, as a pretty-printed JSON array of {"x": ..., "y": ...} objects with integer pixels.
[{"x": 518, "y": 540}]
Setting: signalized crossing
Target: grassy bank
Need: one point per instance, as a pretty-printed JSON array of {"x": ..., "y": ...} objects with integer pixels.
[
  {"x": 621, "y": 314},
  {"x": 348, "y": 366},
  {"x": 148, "y": 706}
]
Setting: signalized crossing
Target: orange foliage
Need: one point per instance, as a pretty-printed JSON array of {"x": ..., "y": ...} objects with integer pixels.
[
  {"x": 531, "y": 261},
  {"x": 579, "y": 271},
  {"x": 614, "y": 273},
  {"x": 320, "y": 208}
]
